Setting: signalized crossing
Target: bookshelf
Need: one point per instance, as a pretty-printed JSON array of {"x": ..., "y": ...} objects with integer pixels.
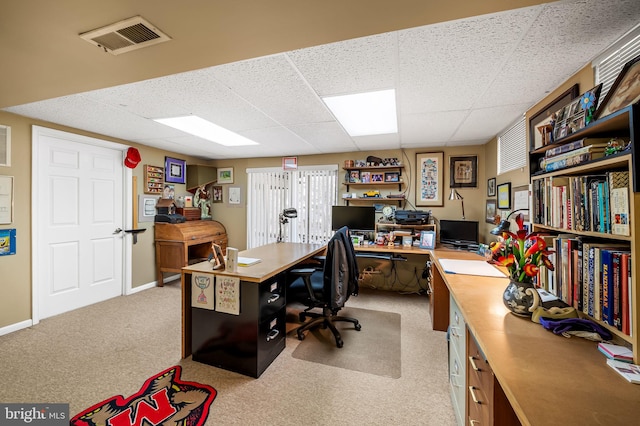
[
  {"x": 575, "y": 204},
  {"x": 376, "y": 178}
]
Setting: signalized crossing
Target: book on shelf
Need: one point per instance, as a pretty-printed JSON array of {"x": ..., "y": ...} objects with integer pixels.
[
  {"x": 552, "y": 164},
  {"x": 631, "y": 372},
  {"x": 618, "y": 182},
  {"x": 571, "y": 146},
  {"x": 618, "y": 352}
]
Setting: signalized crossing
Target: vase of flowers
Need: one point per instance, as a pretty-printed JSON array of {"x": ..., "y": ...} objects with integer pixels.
[{"x": 522, "y": 255}]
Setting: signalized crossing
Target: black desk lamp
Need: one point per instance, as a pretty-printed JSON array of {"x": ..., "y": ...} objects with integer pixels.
[
  {"x": 455, "y": 195},
  {"x": 288, "y": 213},
  {"x": 505, "y": 224}
]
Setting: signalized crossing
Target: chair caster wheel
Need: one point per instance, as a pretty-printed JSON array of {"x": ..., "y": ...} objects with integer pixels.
[
  {"x": 300, "y": 336},
  {"x": 302, "y": 317},
  {"x": 358, "y": 327},
  {"x": 339, "y": 343}
]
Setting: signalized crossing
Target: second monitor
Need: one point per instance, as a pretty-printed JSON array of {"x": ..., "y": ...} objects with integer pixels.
[{"x": 356, "y": 218}]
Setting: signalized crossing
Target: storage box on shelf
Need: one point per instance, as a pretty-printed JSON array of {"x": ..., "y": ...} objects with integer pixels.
[
  {"x": 402, "y": 230},
  {"x": 586, "y": 212},
  {"x": 371, "y": 178}
]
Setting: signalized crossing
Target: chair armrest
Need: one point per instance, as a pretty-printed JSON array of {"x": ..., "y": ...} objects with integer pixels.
[{"x": 305, "y": 274}]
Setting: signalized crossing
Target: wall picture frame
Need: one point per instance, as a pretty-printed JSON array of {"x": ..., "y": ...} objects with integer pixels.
[
  {"x": 463, "y": 171},
  {"x": 491, "y": 187},
  {"x": 175, "y": 170},
  {"x": 504, "y": 196},
  {"x": 392, "y": 177},
  {"x": 490, "y": 211},
  {"x": 5, "y": 145},
  {"x": 428, "y": 240},
  {"x": 225, "y": 175},
  {"x": 430, "y": 179},
  {"x": 624, "y": 91},
  {"x": 543, "y": 119},
  {"x": 147, "y": 207}
]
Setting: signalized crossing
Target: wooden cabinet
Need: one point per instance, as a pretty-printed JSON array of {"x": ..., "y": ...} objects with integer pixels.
[
  {"x": 571, "y": 202},
  {"x": 153, "y": 179},
  {"x": 379, "y": 184},
  {"x": 181, "y": 244}
]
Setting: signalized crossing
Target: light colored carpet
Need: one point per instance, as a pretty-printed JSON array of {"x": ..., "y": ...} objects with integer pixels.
[
  {"x": 88, "y": 355},
  {"x": 380, "y": 330}
]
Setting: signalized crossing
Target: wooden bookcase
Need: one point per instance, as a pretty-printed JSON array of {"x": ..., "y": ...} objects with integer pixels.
[
  {"x": 153, "y": 179},
  {"x": 365, "y": 184},
  {"x": 625, "y": 124}
]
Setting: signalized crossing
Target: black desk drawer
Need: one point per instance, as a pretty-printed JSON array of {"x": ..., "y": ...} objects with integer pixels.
[{"x": 271, "y": 297}]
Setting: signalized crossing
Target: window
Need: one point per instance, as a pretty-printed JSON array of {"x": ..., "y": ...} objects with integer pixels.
[
  {"x": 311, "y": 190},
  {"x": 512, "y": 148},
  {"x": 608, "y": 65}
]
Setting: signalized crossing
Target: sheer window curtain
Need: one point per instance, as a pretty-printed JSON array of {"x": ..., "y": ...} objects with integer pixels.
[{"x": 311, "y": 190}]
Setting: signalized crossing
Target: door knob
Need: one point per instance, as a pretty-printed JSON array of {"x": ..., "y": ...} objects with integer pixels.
[{"x": 117, "y": 231}]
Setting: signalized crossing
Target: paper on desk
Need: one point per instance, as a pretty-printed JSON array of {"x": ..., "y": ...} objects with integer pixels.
[{"x": 470, "y": 267}]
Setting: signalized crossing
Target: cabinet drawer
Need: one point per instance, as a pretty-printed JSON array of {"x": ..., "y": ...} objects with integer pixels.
[
  {"x": 479, "y": 411},
  {"x": 457, "y": 385},
  {"x": 457, "y": 328},
  {"x": 271, "y": 297}
]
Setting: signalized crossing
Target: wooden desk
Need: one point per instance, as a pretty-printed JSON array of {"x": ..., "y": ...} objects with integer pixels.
[
  {"x": 237, "y": 342},
  {"x": 547, "y": 379}
]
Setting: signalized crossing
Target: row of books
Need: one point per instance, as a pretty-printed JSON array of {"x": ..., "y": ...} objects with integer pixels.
[
  {"x": 595, "y": 202},
  {"x": 593, "y": 277},
  {"x": 573, "y": 153}
]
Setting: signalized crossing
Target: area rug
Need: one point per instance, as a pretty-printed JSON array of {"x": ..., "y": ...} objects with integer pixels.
[
  {"x": 375, "y": 349},
  {"x": 162, "y": 399}
]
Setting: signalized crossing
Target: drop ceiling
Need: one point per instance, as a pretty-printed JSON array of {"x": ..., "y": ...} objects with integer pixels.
[{"x": 458, "y": 82}]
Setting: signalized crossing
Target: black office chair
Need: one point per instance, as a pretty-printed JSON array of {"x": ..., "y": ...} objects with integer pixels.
[{"x": 327, "y": 288}]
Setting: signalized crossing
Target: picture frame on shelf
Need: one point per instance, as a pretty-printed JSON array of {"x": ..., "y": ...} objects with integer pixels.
[
  {"x": 577, "y": 114},
  {"x": 392, "y": 177},
  {"x": 365, "y": 177},
  {"x": 540, "y": 124},
  {"x": 175, "y": 170},
  {"x": 463, "y": 171},
  {"x": 354, "y": 176},
  {"x": 491, "y": 187},
  {"x": 225, "y": 175},
  {"x": 624, "y": 91},
  {"x": 427, "y": 240},
  {"x": 377, "y": 177},
  {"x": 491, "y": 211},
  {"x": 504, "y": 196},
  {"x": 430, "y": 179}
]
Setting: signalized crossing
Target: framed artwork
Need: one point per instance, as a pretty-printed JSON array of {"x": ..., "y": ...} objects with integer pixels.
[
  {"x": 521, "y": 200},
  {"x": 365, "y": 177},
  {"x": 234, "y": 195},
  {"x": 217, "y": 193},
  {"x": 175, "y": 170},
  {"x": 354, "y": 176},
  {"x": 428, "y": 239},
  {"x": 491, "y": 187},
  {"x": 540, "y": 124},
  {"x": 504, "y": 196},
  {"x": 625, "y": 90},
  {"x": 392, "y": 177},
  {"x": 463, "y": 171},
  {"x": 289, "y": 163},
  {"x": 490, "y": 215},
  {"x": 576, "y": 114},
  {"x": 430, "y": 179},
  {"x": 6, "y": 200},
  {"x": 225, "y": 175},
  {"x": 377, "y": 177},
  {"x": 5, "y": 145},
  {"x": 147, "y": 207}
]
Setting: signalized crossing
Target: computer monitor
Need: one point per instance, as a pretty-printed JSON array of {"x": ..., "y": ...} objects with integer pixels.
[
  {"x": 459, "y": 233},
  {"x": 356, "y": 218}
]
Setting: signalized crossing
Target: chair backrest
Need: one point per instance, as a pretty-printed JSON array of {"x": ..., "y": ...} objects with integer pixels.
[{"x": 340, "y": 273}]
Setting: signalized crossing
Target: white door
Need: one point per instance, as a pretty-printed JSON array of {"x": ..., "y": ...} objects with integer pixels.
[{"x": 79, "y": 216}]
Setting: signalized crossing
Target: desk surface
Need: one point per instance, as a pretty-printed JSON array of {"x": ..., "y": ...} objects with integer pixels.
[{"x": 548, "y": 379}]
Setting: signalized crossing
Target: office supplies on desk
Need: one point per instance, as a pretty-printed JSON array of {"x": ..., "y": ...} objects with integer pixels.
[
  {"x": 248, "y": 261},
  {"x": 470, "y": 267}
]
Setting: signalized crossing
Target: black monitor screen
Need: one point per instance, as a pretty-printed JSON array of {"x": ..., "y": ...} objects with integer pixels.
[
  {"x": 458, "y": 232},
  {"x": 361, "y": 218}
]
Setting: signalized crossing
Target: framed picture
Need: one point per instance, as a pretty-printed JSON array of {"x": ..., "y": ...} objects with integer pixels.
[
  {"x": 491, "y": 187},
  {"x": 392, "y": 177},
  {"x": 234, "y": 195},
  {"x": 289, "y": 163},
  {"x": 175, "y": 170},
  {"x": 5, "y": 145},
  {"x": 430, "y": 179},
  {"x": 463, "y": 171},
  {"x": 427, "y": 239},
  {"x": 217, "y": 193},
  {"x": 377, "y": 177},
  {"x": 624, "y": 91},
  {"x": 365, "y": 177},
  {"x": 490, "y": 215},
  {"x": 540, "y": 124},
  {"x": 504, "y": 196},
  {"x": 225, "y": 175},
  {"x": 521, "y": 200},
  {"x": 354, "y": 176},
  {"x": 147, "y": 207}
]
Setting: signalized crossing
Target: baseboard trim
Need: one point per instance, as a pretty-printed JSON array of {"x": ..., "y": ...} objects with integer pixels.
[
  {"x": 15, "y": 327},
  {"x": 153, "y": 284}
]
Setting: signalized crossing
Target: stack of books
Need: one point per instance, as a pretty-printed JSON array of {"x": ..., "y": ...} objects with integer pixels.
[
  {"x": 616, "y": 352},
  {"x": 573, "y": 153},
  {"x": 631, "y": 372}
]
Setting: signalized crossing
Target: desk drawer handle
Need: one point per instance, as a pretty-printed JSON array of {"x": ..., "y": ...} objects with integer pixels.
[
  {"x": 454, "y": 332},
  {"x": 272, "y": 334},
  {"x": 473, "y": 422},
  {"x": 273, "y": 298},
  {"x": 473, "y": 395},
  {"x": 473, "y": 363}
]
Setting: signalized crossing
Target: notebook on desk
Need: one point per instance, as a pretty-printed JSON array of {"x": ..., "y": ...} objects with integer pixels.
[{"x": 247, "y": 261}]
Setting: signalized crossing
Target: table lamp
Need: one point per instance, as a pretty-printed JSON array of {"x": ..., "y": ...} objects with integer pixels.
[
  {"x": 505, "y": 224},
  {"x": 455, "y": 195},
  {"x": 288, "y": 213}
]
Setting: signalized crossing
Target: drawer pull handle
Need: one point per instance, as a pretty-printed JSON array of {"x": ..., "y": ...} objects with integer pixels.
[
  {"x": 273, "y": 298},
  {"x": 452, "y": 380},
  {"x": 472, "y": 361},
  {"x": 474, "y": 422},
  {"x": 272, "y": 334},
  {"x": 473, "y": 395},
  {"x": 454, "y": 332}
]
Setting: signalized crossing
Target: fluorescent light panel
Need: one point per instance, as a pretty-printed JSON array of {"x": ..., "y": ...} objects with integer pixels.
[
  {"x": 202, "y": 128},
  {"x": 369, "y": 113}
]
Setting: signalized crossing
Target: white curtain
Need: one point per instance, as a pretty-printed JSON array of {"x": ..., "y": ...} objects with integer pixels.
[{"x": 311, "y": 190}]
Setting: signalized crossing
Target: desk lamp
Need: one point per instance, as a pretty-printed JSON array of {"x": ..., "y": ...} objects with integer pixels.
[
  {"x": 288, "y": 213},
  {"x": 505, "y": 225},
  {"x": 455, "y": 195}
]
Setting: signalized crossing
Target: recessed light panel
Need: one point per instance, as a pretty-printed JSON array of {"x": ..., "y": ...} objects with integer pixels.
[
  {"x": 369, "y": 113},
  {"x": 204, "y": 129}
]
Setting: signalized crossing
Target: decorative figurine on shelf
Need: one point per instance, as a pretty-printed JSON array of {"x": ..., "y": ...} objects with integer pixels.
[
  {"x": 202, "y": 200},
  {"x": 588, "y": 103},
  {"x": 616, "y": 145}
]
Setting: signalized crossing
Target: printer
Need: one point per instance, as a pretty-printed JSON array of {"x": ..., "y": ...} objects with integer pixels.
[{"x": 412, "y": 217}]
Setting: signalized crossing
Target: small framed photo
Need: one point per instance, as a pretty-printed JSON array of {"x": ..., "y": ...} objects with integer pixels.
[
  {"x": 428, "y": 239},
  {"x": 225, "y": 175},
  {"x": 490, "y": 215},
  {"x": 491, "y": 187},
  {"x": 354, "y": 176},
  {"x": 217, "y": 193},
  {"x": 463, "y": 171},
  {"x": 504, "y": 196},
  {"x": 377, "y": 177},
  {"x": 175, "y": 170},
  {"x": 365, "y": 177},
  {"x": 392, "y": 177}
]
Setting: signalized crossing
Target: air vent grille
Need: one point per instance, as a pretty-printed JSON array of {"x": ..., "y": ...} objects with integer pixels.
[{"x": 125, "y": 36}]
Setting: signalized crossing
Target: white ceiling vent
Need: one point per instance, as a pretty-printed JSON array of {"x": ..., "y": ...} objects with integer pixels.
[{"x": 125, "y": 36}]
